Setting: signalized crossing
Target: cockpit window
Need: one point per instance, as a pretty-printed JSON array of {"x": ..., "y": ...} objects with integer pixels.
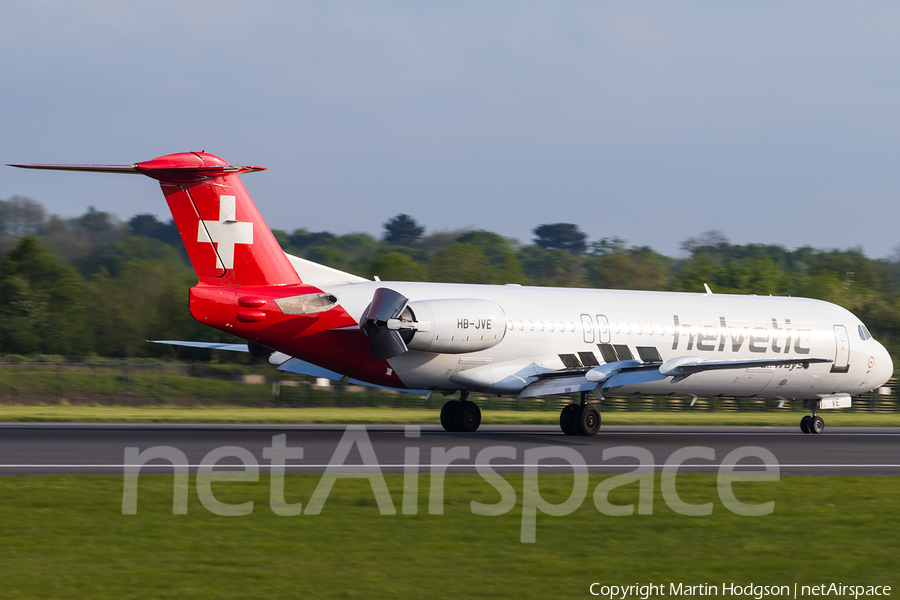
[{"x": 864, "y": 333}]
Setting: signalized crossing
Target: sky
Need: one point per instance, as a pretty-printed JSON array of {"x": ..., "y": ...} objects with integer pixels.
[{"x": 773, "y": 122}]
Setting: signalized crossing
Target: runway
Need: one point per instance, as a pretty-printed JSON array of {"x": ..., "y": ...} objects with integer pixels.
[{"x": 99, "y": 448}]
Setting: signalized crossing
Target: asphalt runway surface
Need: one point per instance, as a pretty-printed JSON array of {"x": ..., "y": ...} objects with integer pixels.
[{"x": 99, "y": 448}]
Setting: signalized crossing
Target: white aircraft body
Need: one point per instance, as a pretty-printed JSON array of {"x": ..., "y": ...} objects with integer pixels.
[{"x": 506, "y": 340}]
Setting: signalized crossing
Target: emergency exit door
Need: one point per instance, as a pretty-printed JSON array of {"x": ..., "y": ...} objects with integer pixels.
[{"x": 841, "y": 362}]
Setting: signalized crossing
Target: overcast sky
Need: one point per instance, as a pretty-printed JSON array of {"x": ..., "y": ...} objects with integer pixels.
[{"x": 773, "y": 122}]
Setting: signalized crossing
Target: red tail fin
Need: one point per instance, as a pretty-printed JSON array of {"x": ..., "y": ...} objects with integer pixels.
[{"x": 227, "y": 239}]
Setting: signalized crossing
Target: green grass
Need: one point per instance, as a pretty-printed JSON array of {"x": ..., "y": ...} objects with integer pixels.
[
  {"x": 77, "y": 382},
  {"x": 183, "y": 385},
  {"x": 65, "y": 537},
  {"x": 374, "y": 415}
]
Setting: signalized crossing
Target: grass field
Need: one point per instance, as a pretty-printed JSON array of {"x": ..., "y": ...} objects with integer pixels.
[
  {"x": 65, "y": 537},
  {"x": 374, "y": 415}
]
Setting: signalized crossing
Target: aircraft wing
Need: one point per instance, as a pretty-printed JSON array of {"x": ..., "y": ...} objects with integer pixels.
[
  {"x": 568, "y": 381},
  {"x": 687, "y": 365},
  {"x": 562, "y": 384},
  {"x": 209, "y": 345},
  {"x": 301, "y": 367},
  {"x": 282, "y": 362},
  {"x": 631, "y": 372}
]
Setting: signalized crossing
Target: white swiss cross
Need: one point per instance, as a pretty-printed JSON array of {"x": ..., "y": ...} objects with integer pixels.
[{"x": 226, "y": 232}]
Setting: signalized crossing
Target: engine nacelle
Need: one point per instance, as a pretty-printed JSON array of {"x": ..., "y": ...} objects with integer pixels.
[{"x": 452, "y": 326}]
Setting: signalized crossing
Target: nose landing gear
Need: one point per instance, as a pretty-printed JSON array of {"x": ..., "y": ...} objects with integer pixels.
[
  {"x": 460, "y": 415},
  {"x": 580, "y": 419},
  {"x": 812, "y": 423}
]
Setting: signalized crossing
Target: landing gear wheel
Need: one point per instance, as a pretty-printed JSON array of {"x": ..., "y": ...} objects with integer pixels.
[
  {"x": 567, "y": 419},
  {"x": 804, "y": 424},
  {"x": 448, "y": 415},
  {"x": 817, "y": 425},
  {"x": 588, "y": 422},
  {"x": 468, "y": 417}
]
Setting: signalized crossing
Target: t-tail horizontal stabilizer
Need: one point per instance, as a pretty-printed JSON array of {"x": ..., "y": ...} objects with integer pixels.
[
  {"x": 225, "y": 236},
  {"x": 161, "y": 169}
]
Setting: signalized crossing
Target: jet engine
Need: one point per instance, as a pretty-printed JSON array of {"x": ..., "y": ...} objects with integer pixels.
[{"x": 453, "y": 326}]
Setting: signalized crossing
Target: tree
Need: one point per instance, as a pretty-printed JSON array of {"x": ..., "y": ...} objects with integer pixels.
[
  {"x": 461, "y": 263},
  {"x": 115, "y": 254},
  {"x": 550, "y": 267},
  {"x": 41, "y": 303},
  {"x": 77, "y": 237},
  {"x": 611, "y": 265},
  {"x": 560, "y": 236},
  {"x": 302, "y": 239},
  {"x": 709, "y": 242},
  {"x": 148, "y": 299},
  {"x": 395, "y": 266},
  {"x": 402, "y": 230},
  {"x": 96, "y": 221},
  {"x": 151, "y": 227},
  {"x": 500, "y": 252},
  {"x": 436, "y": 241},
  {"x": 21, "y": 216},
  {"x": 611, "y": 245}
]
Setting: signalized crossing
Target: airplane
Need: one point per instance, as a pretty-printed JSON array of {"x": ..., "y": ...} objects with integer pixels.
[{"x": 504, "y": 340}]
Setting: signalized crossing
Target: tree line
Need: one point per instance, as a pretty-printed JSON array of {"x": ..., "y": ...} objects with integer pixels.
[{"x": 96, "y": 285}]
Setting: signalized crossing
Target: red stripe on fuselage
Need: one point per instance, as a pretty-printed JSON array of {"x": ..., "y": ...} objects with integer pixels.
[{"x": 315, "y": 338}]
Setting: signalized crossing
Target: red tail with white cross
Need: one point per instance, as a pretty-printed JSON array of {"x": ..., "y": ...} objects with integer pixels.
[{"x": 226, "y": 238}]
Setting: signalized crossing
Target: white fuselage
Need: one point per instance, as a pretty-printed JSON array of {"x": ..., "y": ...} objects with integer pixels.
[{"x": 550, "y": 329}]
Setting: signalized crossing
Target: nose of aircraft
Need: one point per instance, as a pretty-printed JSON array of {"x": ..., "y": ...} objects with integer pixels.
[{"x": 883, "y": 367}]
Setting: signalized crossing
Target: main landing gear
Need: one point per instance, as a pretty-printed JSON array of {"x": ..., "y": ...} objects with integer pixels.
[
  {"x": 812, "y": 423},
  {"x": 460, "y": 415},
  {"x": 580, "y": 419}
]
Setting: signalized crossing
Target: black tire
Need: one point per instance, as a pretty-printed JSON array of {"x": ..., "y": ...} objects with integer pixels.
[
  {"x": 468, "y": 417},
  {"x": 817, "y": 425},
  {"x": 804, "y": 424},
  {"x": 448, "y": 415},
  {"x": 588, "y": 423},
  {"x": 567, "y": 419}
]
